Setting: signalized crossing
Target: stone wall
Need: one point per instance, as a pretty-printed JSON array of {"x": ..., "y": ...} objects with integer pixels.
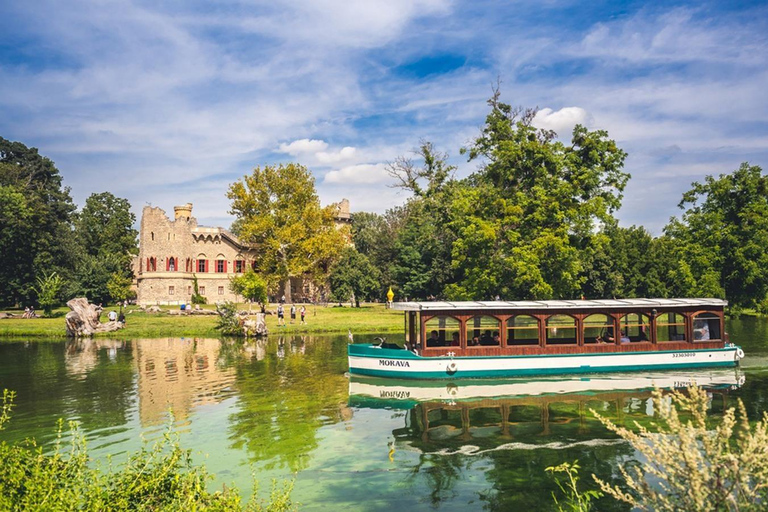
[
  {"x": 170, "y": 252},
  {"x": 169, "y": 256}
]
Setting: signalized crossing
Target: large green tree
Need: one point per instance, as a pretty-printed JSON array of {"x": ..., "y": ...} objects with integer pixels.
[
  {"x": 35, "y": 215},
  {"x": 107, "y": 240},
  {"x": 354, "y": 276},
  {"x": 278, "y": 211},
  {"x": 421, "y": 256},
  {"x": 722, "y": 237},
  {"x": 105, "y": 227},
  {"x": 523, "y": 218}
]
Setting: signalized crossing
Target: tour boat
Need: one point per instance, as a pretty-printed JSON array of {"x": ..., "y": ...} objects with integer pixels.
[{"x": 450, "y": 340}]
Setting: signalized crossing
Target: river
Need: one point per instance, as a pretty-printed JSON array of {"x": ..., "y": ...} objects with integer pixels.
[{"x": 284, "y": 408}]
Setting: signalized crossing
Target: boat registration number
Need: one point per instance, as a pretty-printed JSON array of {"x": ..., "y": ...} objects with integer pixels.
[{"x": 684, "y": 354}]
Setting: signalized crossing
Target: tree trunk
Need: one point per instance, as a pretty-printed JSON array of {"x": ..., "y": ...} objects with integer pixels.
[
  {"x": 287, "y": 291},
  {"x": 83, "y": 320}
]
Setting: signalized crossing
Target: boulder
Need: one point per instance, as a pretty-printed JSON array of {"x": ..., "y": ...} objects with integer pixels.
[{"x": 83, "y": 320}]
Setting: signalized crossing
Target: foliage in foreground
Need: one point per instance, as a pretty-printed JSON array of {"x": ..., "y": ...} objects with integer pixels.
[
  {"x": 228, "y": 321},
  {"x": 575, "y": 500},
  {"x": 692, "y": 465},
  {"x": 160, "y": 477}
]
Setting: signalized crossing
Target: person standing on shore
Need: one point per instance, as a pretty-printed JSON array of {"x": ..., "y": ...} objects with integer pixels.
[
  {"x": 303, "y": 312},
  {"x": 280, "y": 315},
  {"x": 293, "y": 313}
]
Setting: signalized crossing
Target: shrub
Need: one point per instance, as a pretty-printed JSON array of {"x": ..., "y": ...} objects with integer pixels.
[
  {"x": 692, "y": 465},
  {"x": 160, "y": 477},
  {"x": 196, "y": 297},
  {"x": 575, "y": 500},
  {"x": 229, "y": 320}
]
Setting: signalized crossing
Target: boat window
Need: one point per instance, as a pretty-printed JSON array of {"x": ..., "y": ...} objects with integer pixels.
[
  {"x": 441, "y": 331},
  {"x": 483, "y": 331},
  {"x": 561, "y": 330},
  {"x": 706, "y": 326},
  {"x": 637, "y": 326},
  {"x": 598, "y": 328},
  {"x": 670, "y": 327},
  {"x": 522, "y": 330}
]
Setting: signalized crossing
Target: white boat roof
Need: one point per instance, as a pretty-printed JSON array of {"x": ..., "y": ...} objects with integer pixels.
[{"x": 557, "y": 304}]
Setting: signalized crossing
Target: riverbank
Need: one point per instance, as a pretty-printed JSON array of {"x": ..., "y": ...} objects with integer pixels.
[{"x": 369, "y": 318}]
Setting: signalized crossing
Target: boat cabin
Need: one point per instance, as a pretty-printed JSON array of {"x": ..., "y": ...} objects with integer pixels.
[{"x": 501, "y": 328}]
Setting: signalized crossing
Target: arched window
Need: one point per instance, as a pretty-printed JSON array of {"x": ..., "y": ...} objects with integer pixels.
[
  {"x": 561, "y": 330},
  {"x": 483, "y": 331},
  {"x": 670, "y": 327},
  {"x": 636, "y": 326},
  {"x": 522, "y": 330},
  {"x": 152, "y": 265},
  {"x": 598, "y": 328},
  {"x": 441, "y": 331},
  {"x": 706, "y": 327},
  {"x": 172, "y": 264}
]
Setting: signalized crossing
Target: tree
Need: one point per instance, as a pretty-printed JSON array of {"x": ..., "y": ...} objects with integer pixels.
[
  {"x": 723, "y": 235},
  {"x": 421, "y": 256},
  {"x": 107, "y": 241},
  {"x": 354, "y": 275},
  {"x": 36, "y": 211},
  {"x": 278, "y": 211},
  {"x": 105, "y": 227},
  {"x": 250, "y": 285},
  {"x": 48, "y": 289},
  {"x": 523, "y": 218},
  {"x": 119, "y": 287}
]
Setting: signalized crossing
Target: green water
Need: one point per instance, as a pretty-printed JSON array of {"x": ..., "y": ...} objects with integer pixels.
[{"x": 282, "y": 407}]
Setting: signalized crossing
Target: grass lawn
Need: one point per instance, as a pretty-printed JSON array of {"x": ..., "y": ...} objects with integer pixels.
[{"x": 370, "y": 318}]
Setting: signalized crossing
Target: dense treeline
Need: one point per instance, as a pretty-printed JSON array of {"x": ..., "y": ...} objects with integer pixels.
[
  {"x": 536, "y": 221},
  {"x": 42, "y": 236}
]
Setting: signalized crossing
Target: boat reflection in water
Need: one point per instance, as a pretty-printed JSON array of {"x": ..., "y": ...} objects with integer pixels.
[{"x": 533, "y": 411}]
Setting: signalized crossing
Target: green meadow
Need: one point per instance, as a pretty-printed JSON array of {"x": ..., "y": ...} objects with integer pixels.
[{"x": 369, "y": 318}]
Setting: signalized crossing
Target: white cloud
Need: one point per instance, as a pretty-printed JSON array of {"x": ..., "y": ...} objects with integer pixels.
[
  {"x": 346, "y": 153},
  {"x": 360, "y": 173},
  {"x": 303, "y": 146},
  {"x": 561, "y": 121}
]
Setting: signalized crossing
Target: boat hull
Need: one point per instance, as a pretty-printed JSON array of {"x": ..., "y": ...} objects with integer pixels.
[{"x": 373, "y": 361}]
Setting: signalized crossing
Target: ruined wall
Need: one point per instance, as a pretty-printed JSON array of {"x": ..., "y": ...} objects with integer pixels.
[{"x": 169, "y": 252}]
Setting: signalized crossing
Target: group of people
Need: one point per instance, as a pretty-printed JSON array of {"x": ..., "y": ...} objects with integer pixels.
[
  {"x": 608, "y": 337},
  {"x": 281, "y": 314},
  {"x": 487, "y": 339},
  {"x": 29, "y": 312}
]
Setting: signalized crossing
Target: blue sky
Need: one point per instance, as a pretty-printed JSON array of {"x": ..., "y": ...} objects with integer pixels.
[{"x": 165, "y": 102}]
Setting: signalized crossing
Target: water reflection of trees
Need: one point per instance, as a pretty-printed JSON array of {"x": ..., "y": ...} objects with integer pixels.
[
  {"x": 289, "y": 387},
  {"x": 90, "y": 381},
  {"x": 512, "y": 440}
]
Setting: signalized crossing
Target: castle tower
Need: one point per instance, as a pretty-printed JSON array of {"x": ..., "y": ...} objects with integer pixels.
[{"x": 183, "y": 212}]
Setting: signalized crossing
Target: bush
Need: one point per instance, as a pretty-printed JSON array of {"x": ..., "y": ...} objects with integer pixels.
[
  {"x": 229, "y": 320},
  {"x": 691, "y": 465},
  {"x": 196, "y": 297},
  {"x": 158, "y": 478}
]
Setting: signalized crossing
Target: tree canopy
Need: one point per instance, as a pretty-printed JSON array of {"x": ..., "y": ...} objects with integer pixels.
[
  {"x": 722, "y": 237},
  {"x": 354, "y": 276},
  {"x": 278, "y": 211},
  {"x": 36, "y": 213}
]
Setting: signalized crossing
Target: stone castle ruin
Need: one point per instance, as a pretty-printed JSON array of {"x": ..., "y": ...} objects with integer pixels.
[{"x": 173, "y": 252}]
